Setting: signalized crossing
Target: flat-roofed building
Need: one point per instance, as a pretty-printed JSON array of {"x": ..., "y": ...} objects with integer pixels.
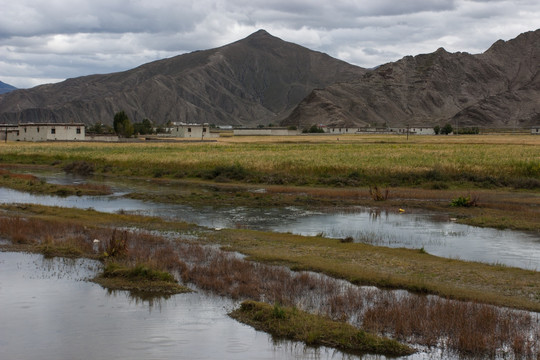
[{"x": 42, "y": 131}]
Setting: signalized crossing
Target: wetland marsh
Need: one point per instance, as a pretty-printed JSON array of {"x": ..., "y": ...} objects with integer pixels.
[{"x": 234, "y": 202}]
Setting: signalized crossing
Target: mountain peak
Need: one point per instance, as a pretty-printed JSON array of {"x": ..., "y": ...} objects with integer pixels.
[
  {"x": 260, "y": 32},
  {"x": 260, "y": 35}
]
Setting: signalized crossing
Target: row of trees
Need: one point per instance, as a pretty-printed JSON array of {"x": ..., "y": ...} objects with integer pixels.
[
  {"x": 448, "y": 129},
  {"x": 445, "y": 130},
  {"x": 123, "y": 127}
]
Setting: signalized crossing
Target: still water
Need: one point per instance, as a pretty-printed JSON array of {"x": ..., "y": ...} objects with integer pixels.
[
  {"x": 438, "y": 236},
  {"x": 50, "y": 312}
]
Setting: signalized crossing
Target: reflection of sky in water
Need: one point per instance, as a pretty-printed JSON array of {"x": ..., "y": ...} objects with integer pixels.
[
  {"x": 49, "y": 313},
  {"x": 441, "y": 238}
]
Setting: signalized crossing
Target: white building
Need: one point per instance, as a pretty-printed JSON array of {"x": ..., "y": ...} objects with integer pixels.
[
  {"x": 414, "y": 130},
  {"x": 197, "y": 131},
  {"x": 535, "y": 130},
  {"x": 269, "y": 131},
  {"x": 42, "y": 131},
  {"x": 381, "y": 130}
]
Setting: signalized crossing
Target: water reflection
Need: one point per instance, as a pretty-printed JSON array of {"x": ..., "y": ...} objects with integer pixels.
[
  {"x": 48, "y": 312},
  {"x": 384, "y": 228}
]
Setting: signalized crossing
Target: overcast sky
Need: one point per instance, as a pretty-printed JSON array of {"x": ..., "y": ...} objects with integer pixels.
[{"x": 49, "y": 41}]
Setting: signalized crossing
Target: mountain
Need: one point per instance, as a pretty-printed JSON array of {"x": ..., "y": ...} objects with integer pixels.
[
  {"x": 262, "y": 79},
  {"x": 499, "y": 88},
  {"x": 5, "y": 88},
  {"x": 257, "y": 80}
]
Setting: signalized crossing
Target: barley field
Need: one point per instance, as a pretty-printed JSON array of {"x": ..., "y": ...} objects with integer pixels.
[{"x": 491, "y": 160}]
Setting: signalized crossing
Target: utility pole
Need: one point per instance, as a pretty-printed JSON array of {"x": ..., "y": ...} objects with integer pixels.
[{"x": 407, "y": 132}]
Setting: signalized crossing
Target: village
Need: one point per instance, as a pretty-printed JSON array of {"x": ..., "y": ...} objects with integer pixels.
[{"x": 180, "y": 130}]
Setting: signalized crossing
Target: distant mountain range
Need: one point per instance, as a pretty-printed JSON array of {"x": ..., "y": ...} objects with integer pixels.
[
  {"x": 499, "y": 88},
  {"x": 262, "y": 79},
  {"x": 4, "y": 88}
]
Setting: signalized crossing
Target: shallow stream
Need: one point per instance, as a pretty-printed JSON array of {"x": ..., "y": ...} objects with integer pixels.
[{"x": 438, "y": 235}]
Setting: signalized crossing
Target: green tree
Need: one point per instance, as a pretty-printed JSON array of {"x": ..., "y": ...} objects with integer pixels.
[
  {"x": 122, "y": 125},
  {"x": 313, "y": 129},
  {"x": 447, "y": 129},
  {"x": 437, "y": 129},
  {"x": 143, "y": 128}
]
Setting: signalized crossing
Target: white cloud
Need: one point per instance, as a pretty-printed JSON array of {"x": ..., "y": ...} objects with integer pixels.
[{"x": 50, "y": 41}]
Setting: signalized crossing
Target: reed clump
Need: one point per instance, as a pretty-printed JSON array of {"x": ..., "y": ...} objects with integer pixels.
[{"x": 377, "y": 194}]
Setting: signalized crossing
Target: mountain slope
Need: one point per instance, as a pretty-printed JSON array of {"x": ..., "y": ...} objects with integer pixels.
[
  {"x": 257, "y": 80},
  {"x": 499, "y": 88},
  {"x": 5, "y": 88}
]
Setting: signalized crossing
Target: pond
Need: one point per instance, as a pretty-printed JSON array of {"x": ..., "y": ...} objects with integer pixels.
[
  {"x": 50, "y": 312},
  {"x": 438, "y": 236}
]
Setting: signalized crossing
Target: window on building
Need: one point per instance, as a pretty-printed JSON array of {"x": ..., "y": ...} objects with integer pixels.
[
  {"x": 78, "y": 130},
  {"x": 53, "y": 131},
  {"x": 188, "y": 129},
  {"x": 24, "y": 129},
  {"x": 38, "y": 129},
  {"x": 203, "y": 129}
]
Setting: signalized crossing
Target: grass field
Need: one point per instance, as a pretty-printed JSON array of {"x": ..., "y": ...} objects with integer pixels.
[{"x": 484, "y": 161}]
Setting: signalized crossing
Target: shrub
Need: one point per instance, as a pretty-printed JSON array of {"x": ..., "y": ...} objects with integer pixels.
[
  {"x": 464, "y": 201},
  {"x": 377, "y": 194},
  {"x": 227, "y": 172},
  {"x": 117, "y": 246},
  {"x": 79, "y": 168}
]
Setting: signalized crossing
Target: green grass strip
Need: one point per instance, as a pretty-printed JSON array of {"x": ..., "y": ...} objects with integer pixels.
[{"x": 293, "y": 324}]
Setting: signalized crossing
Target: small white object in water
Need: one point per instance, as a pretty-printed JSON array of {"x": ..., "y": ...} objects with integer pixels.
[
  {"x": 95, "y": 246},
  {"x": 453, "y": 219}
]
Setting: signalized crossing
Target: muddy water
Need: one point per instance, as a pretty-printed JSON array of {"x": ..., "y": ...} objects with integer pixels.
[
  {"x": 49, "y": 312},
  {"x": 438, "y": 236}
]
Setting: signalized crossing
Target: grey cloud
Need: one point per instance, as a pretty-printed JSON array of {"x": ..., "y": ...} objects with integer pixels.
[{"x": 59, "y": 39}]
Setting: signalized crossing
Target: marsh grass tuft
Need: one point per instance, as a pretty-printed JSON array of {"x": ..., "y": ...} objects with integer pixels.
[
  {"x": 465, "y": 201},
  {"x": 81, "y": 167},
  {"x": 117, "y": 245},
  {"x": 348, "y": 239},
  {"x": 377, "y": 194},
  {"x": 314, "y": 330},
  {"x": 139, "y": 272}
]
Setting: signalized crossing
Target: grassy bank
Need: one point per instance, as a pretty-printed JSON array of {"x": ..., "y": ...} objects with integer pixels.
[
  {"x": 139, "y": 279},
  {"x": 32, "y": 184},
  {"x": 429, "y": 162},
  {"x": 293, "y": 324},
  {"x": 130, "y": 260},
  {"x": 409, "y": 269},
  {"x": 359, "y": 263}
]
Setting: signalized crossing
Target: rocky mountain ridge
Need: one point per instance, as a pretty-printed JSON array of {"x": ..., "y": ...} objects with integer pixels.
[
  {"x": 498, "y": 88},
  {"x": 257, "y": 80}
]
